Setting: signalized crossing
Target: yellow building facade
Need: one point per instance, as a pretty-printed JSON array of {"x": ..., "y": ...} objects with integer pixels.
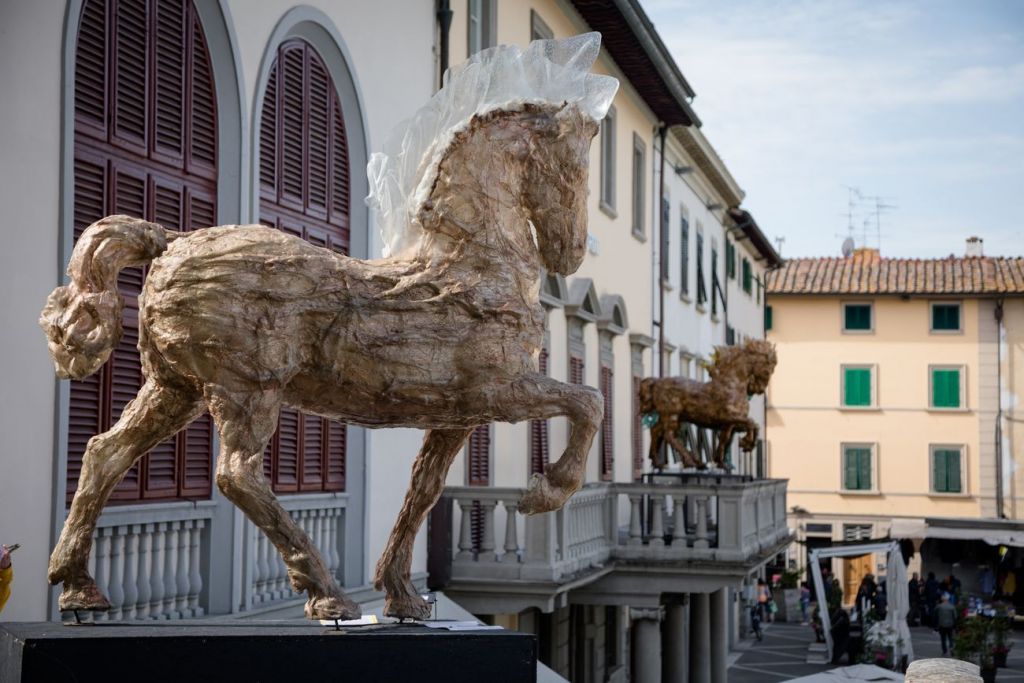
[{"x": 895, "y": 396}]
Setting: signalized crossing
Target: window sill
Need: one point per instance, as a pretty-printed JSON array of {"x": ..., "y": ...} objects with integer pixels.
[
  {"x": 939, "y": 494},
  {"x": 607, "y": 209},
  {"x": 933, "y": 409},
  {"x": 666, "y": 284},
  {"x": 715, "y": 318},
  {"x": 701, "y": 308},
  {"x": 846, "y": 331},
  {"x": 639, "y": 236},
  {"x": 685, "y": 298},
  {"x": 861, "y": 409},
  {"x": 849, "y": 492},
  {"x": 946, "y": 332}
]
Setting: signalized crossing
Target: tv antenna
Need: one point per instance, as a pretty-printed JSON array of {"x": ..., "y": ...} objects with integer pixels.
[{"x": 778, "y": 244}]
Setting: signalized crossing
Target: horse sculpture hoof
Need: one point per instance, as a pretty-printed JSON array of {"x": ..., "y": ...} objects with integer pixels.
[
  {"x": 406, "y": 606},
  {"x": 87, "y": 597},
  {"x": 332, "y": 607}
]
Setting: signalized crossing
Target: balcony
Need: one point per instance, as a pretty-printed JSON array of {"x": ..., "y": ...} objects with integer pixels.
[{"x": 711, "y": 529}]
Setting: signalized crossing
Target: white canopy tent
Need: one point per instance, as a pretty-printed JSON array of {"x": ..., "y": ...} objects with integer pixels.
[
  {"x": 895, "y": 588},
  {"x": 1003, "y": 533}
]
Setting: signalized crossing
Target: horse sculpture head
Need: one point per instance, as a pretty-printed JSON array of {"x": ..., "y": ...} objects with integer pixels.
[
  {"x": 531, "y": 114},
  {"x": 760, "y": 359}
]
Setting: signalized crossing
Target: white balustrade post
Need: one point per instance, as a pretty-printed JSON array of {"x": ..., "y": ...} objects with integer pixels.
[
  {"x": 102, "y": 576},
  {"x": 145, "y": 565},
  {"x": 170, "y": 567},
  {"x": 261, "y": 573},
  {"x": 635, "y": 527},
  {"x": 701, "y": 540},
  {"x": 131, "y": 586},
  {"x": 678, "y": 520},
  {"x": 156, "y": 583},
  {"x": 333, "y": 524},
  {"x": 486, "y": 553},
  {"x": 195, "y": 576},
  {"x": 658, "y": 520},
  {"x": 182, "y": 570},
  {"x": 511, "y": 532},
  {"x": 116, "y": 594},
  {"x": 465, "y": 531}
]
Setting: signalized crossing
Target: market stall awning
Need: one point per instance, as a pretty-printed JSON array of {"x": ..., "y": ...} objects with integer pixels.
[{"x": 993, "y": 532}]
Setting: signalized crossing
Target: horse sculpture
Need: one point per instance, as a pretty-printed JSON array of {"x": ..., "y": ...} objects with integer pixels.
[
  {"x": 490, "y": 186},
  {"x": 737, "y": 372}
]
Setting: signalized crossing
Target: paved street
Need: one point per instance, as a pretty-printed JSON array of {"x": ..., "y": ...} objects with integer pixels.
[{"x": 781, "y": 655}]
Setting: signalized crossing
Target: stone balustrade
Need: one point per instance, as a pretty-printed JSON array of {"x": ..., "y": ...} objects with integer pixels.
[
  {"x": 149, "y": 561},
  {"x": 711, "y": 518}
]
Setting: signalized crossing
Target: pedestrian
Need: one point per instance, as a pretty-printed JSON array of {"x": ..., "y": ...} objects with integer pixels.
[
  {"x": 763, "y": 595},
  {"x": 931, "y": 597},
  {"x": 881, "y": 602},
  {"x": 805, "y": 600},
  {"x": 840, "y": 634},
  {"x": 945, "y": 622},
  {"x": 914, "y": 597},
  {"x": 6, "y": 573}
]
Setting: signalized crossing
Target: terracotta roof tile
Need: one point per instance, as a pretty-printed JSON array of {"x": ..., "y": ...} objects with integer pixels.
[{"x": 865, "y": 272}]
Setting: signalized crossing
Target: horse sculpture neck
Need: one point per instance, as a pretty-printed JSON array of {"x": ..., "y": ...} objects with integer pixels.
[{"x": 476, "y": 223}]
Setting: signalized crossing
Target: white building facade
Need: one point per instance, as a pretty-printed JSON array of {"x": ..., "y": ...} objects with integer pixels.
[{"x": 186, "y": 113}]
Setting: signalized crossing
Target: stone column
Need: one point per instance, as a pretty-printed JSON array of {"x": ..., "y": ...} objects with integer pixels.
[
  {"x": 719, "y": 629},
  {"x": 673, "y": 644},
  {"x": 646, "y": 645},
  {"x": 700, "y": 638}
]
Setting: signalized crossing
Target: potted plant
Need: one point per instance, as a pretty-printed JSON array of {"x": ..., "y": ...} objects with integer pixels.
[
  {"x": 1001, "y": 627},
  {"x": 974, "y": 644},
  {"x": 789, "y": 605}
]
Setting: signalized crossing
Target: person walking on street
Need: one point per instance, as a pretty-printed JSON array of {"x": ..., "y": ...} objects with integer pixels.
[
  {"x": 763, "y": 596},
  {"x": 945, "y": 622},
  {"x": 805, "y": 600},
  {"x": 931, "y": 597}
]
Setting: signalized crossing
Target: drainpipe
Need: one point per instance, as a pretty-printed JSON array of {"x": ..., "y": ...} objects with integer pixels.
[
  {"x": 444, "y": 20},
  {"x": 999, "y": 410},
  {"x": 662, "y": 256}
]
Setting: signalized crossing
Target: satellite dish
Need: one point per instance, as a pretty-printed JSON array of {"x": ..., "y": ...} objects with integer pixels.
[{"x": 848, "y": 247}]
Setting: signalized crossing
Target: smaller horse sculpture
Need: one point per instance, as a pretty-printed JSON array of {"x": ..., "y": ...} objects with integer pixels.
[{"x": 737, "y": 372}]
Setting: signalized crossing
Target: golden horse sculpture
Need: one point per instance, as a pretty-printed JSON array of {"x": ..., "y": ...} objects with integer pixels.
[
  {"x": 489, "y": 185},
  {"x": 737, "y": 372}
]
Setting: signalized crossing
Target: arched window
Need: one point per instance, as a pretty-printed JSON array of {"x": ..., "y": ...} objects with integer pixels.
[
  {"x": 145, "y": 144},
  {"x": 304, "y": 191}
]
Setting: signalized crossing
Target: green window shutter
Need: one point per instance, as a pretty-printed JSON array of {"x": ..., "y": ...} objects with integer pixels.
[
  {"x": 767, "y": 317},
  {"x": 946, "y": 317},
  {"x": 857, "y": 469},
  {"x": 850, "y": 471},
  {"x": 939, "y": 471},
  {"x": 857, "y": 317},
  {"x": 857, "y": 387},
  {"x": 953, "y": 471},
  {"x": 747, "y": 276},
  {"x": 946, "y": 470},
  {"x": 945, "y": 388},
  {"x": 864, "y": 468}
]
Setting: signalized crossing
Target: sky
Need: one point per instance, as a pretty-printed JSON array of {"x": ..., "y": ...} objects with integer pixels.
[{"x": 920, "y": 103}]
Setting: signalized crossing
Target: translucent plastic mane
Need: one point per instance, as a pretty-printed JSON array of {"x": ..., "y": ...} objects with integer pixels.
[{"x": 500, "y": 78}]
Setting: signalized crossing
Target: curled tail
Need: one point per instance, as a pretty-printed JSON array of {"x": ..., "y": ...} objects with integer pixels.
[{"x": 82, "y": 320}]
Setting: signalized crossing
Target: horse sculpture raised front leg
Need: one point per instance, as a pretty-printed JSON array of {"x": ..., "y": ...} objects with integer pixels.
[{"x": 530, "y": 398}]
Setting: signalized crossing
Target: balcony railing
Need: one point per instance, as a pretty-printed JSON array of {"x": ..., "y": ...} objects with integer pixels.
[
  {"x": 149, "y": 561},
  {"x": 719, "y": 519}
]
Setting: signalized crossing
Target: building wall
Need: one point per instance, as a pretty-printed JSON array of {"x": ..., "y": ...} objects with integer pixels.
[
  {"x": 33, "y": 54},
  {"x": 807, "y": 425}
]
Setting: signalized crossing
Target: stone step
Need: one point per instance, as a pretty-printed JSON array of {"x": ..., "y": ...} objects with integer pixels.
[{"x": 817, "y": 653}]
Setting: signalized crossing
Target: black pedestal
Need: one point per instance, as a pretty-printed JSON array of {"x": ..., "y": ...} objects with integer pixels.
[{"x": 261, "y": 651}]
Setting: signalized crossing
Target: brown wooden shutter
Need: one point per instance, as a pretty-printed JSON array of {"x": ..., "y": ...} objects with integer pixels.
[
  {"x": 478, "y": 472},
  {"x": 608, "y": 425},
  {"x": 576, "y": 370},
  {"x": 145, "y": 145},
  {"x": 304, "y": 191},
  {"x": 539, "y": 451}
]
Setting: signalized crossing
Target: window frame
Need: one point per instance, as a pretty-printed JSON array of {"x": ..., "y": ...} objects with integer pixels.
[
  {"x": 931, "y": 317},
  {"x": 539, "y": 29},
  {"x": 747, "y": 275},
  {"x": 485, "y": 25},
  {"x": 684, "y": 253},
  {"x": 873, "y": 368},
  {"x": 608, "y": 189},
  {"x": 873, "y": 490},
  {"x": 769, "y": 319},
  {"x": 962, "y": 381},
  {"x": 638, "y": 212},
  {"x": 962, "y": 449},
  {"x": 871, "y": 317}
]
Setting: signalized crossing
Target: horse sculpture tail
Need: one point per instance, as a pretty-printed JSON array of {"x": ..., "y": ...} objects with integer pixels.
[{"x": 82, "y": 320}]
